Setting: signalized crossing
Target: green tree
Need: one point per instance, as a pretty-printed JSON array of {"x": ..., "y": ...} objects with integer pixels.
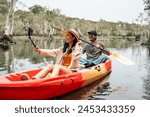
[
  {"x": 36, "y": 9},
  {"x": 147, "y": 6}
]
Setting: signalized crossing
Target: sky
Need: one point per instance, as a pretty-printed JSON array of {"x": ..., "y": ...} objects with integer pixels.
[{"x": 109, "y": 10}]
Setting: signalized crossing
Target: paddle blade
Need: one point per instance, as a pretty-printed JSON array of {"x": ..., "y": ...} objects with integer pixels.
[{"x": 122, "y": 59}]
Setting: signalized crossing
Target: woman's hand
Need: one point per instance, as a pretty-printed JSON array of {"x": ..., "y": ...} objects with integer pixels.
[
  {"x": 77, "y": 50},
  {"x": 37, "y": 49}
]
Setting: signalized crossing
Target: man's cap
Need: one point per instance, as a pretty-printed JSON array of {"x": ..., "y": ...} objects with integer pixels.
[{"x": 93, "y": 32}]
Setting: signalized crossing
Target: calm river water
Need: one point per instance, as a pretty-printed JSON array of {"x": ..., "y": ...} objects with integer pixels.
[{"x": 123, "y": 83}]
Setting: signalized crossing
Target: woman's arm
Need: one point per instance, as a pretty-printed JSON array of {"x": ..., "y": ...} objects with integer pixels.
[
  {"x": 47, "y": 52},
  {"x": 76, "y": 54}
]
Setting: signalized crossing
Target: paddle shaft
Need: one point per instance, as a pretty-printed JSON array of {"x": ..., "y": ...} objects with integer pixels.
[
  {"x": 56, "y": 28},
  {"x": 105, "y": 51}
]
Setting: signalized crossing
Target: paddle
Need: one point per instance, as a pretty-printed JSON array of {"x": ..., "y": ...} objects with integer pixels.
[
  {"x": 56, "y": 28},
  {"x": 118, "y": 57},
  {"x": 114, "y": 55},
  {"x": 30, "y": 32}
]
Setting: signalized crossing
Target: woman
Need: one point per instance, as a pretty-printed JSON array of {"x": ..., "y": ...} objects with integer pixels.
[{"x": 67, "y": 57}]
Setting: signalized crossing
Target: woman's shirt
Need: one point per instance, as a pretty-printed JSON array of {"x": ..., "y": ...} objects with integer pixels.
[
  {"x": 67, "y": 59},
  {"x": 62, "y": 59}
]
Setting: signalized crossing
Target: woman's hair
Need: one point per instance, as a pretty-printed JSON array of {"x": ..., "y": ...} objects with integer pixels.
[{"x": 66, "y": 45}]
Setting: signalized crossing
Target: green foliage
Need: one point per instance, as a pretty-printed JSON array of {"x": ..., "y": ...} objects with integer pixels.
[
  {"x": 50, "y": 15},
  {"x": 36, "y": 9},
  {"x": 147, "y": 4},
  {"x": 3, "y": 7},
  {"x": 41, "y": 19}
]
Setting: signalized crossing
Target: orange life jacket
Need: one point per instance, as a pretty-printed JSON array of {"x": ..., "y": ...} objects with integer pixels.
[{"x": 67, "y": 59}]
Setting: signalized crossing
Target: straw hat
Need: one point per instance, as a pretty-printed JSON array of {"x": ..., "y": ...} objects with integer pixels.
[
  {"x": 75, "y": 33},
  {"x": 72, "y": 31}
]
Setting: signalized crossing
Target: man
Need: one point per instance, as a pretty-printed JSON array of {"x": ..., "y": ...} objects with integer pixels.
[{"x": 94, "y": 54}]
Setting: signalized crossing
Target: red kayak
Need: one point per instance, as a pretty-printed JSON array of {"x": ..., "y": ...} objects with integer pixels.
[{"x": 13, "y": 88}]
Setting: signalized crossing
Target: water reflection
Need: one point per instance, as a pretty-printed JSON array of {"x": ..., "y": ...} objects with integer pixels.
[
  {"x": 147, "y": 88},
  {"x": 22, "y": 55},
  {"x": 4, "y": 47},
  {"x": 148, "y": 51},
  {"x": 96, "y": 91},
  {"x": 147, "y": 78}
]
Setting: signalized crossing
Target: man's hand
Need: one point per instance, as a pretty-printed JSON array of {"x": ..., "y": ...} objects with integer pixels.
[{"x": 98, "y": 46}]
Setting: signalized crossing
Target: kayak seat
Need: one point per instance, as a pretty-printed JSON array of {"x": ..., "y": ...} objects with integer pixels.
[{"x": 13, "y": 77}]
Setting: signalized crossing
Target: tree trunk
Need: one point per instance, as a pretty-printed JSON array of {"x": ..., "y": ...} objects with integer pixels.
[
  {"x": 12, "y": 23},
  {"x": 45, "y": 27},
  {"x": 9, "y": 25}
]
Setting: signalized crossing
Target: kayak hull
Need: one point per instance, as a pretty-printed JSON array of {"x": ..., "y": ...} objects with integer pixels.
[{"x": 12, "y": 88}]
